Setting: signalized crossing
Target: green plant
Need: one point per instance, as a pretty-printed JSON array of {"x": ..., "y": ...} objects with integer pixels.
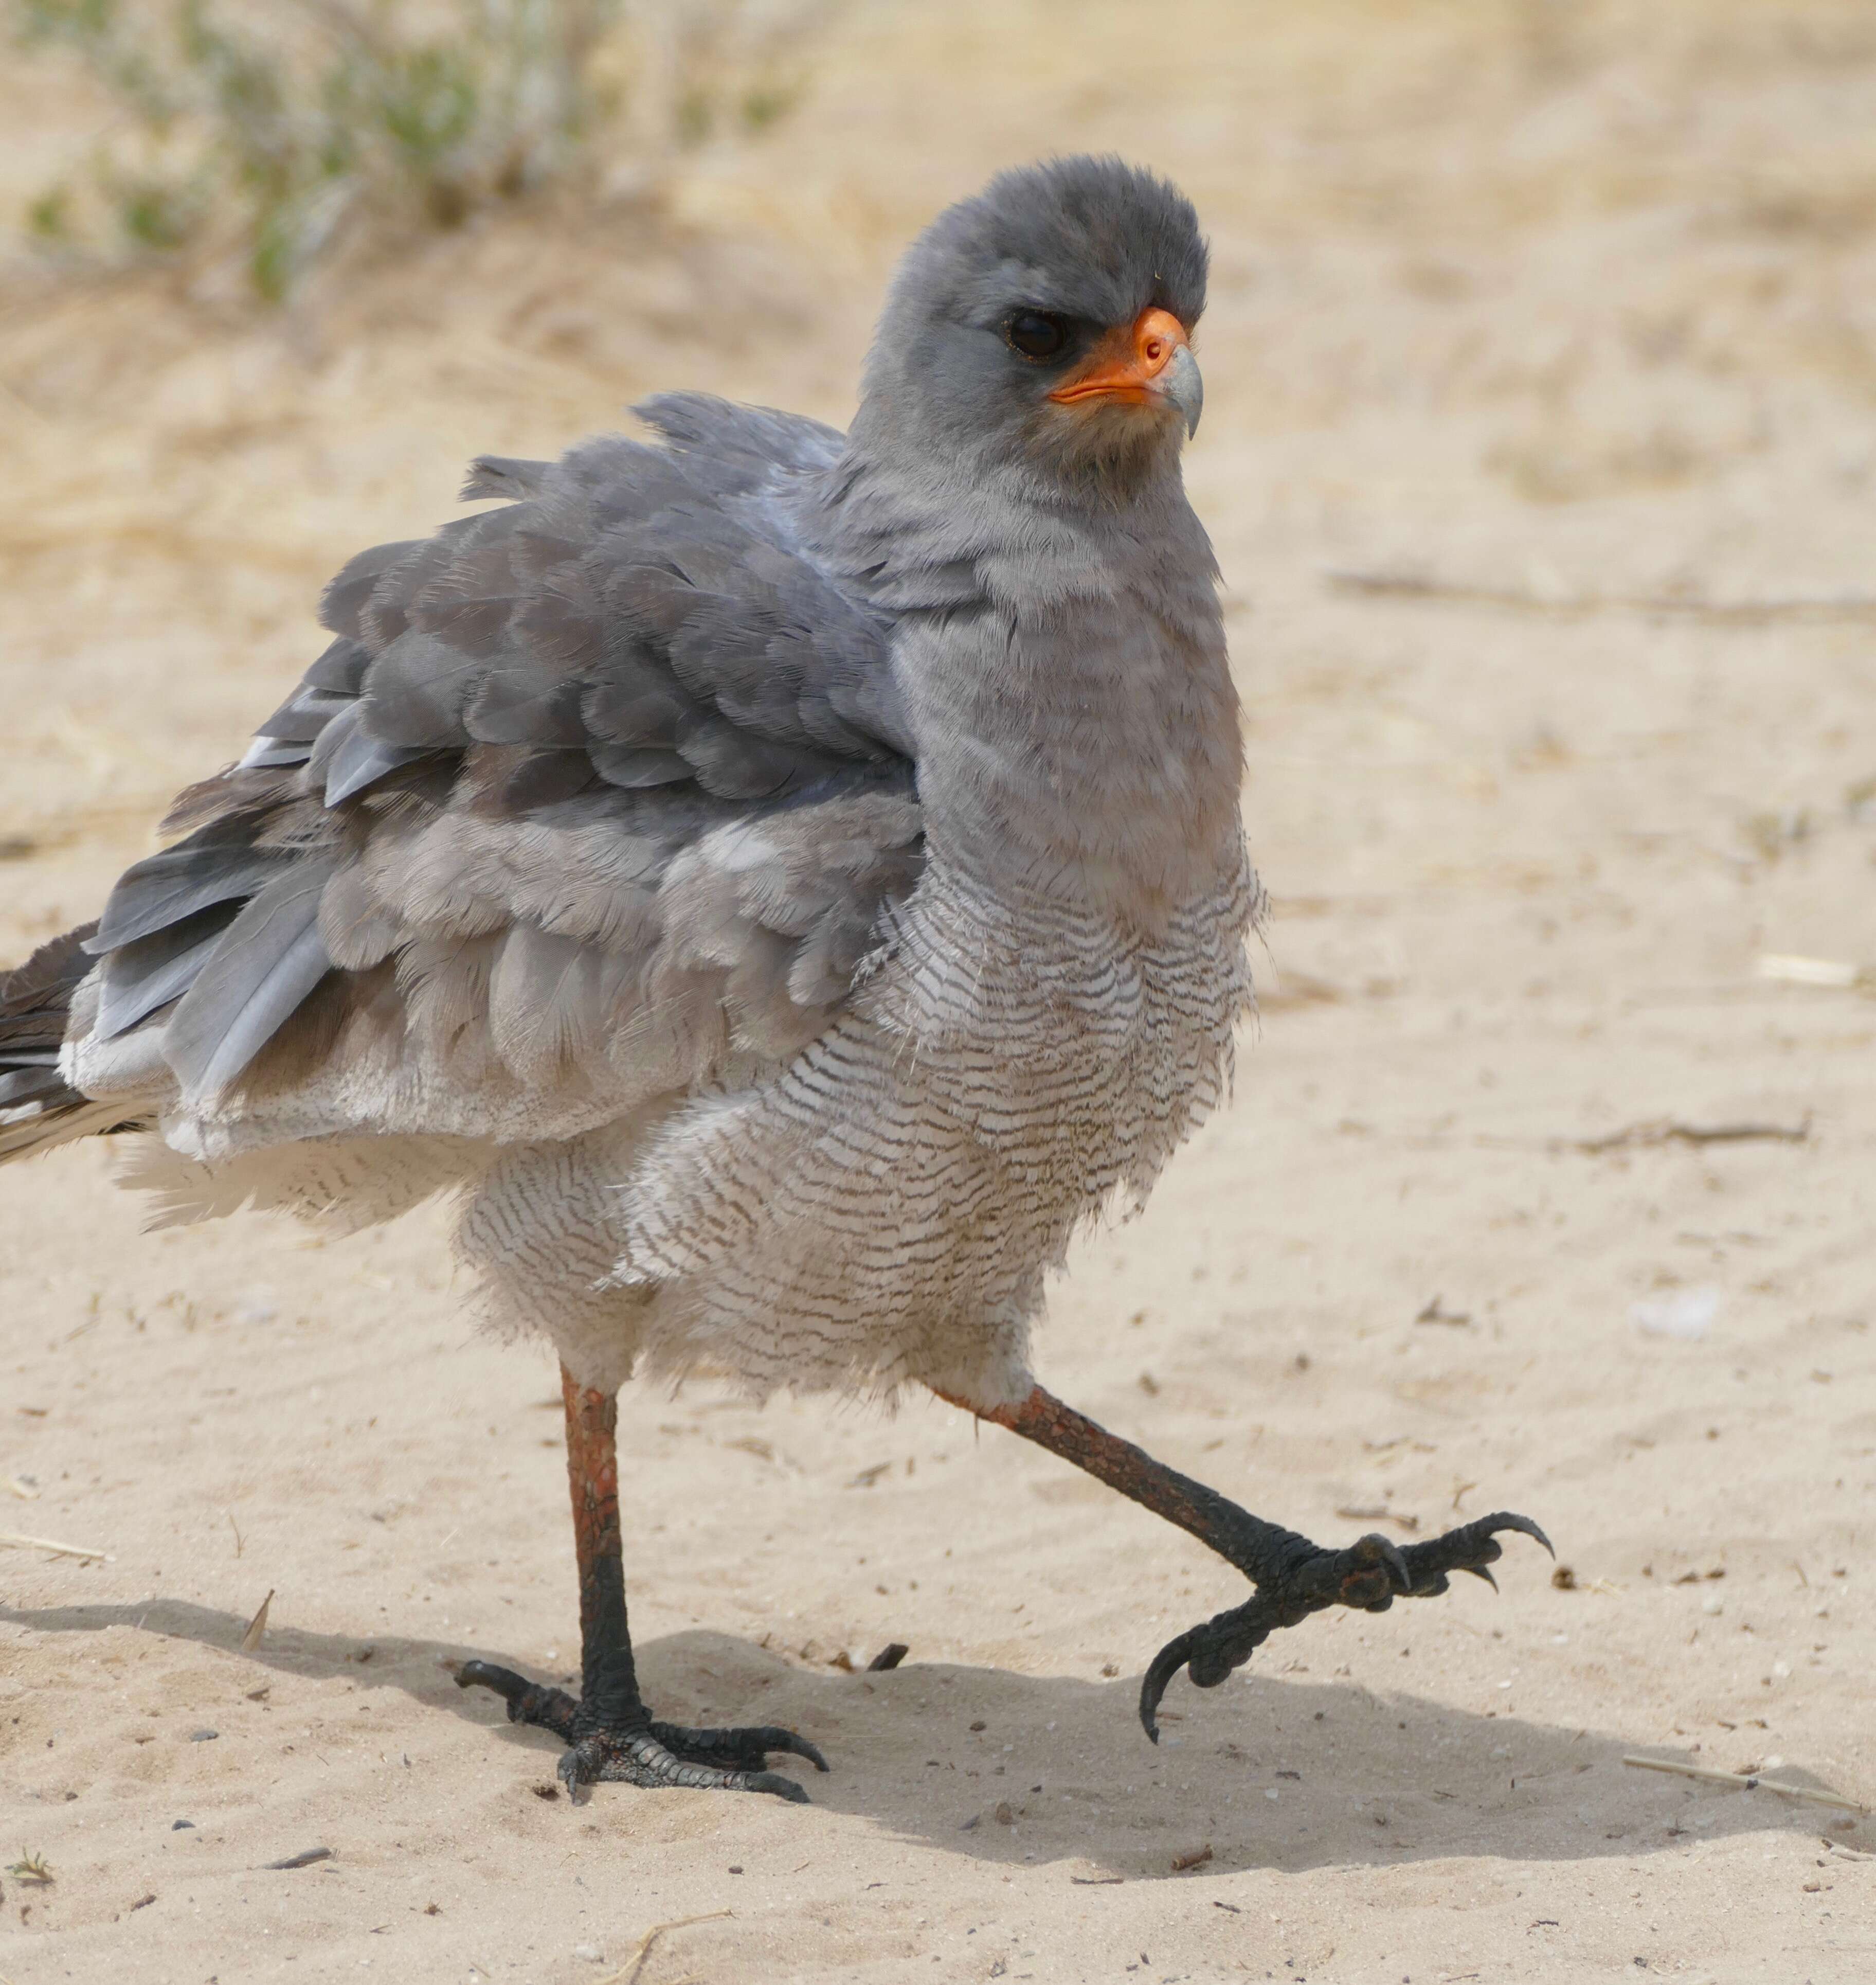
[{"x": 277, "y": 128}]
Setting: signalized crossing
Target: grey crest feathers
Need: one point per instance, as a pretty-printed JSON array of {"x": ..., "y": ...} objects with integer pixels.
[
  {"x": 1093, "y": 240},
  {"x": 1094, "y": 237}
]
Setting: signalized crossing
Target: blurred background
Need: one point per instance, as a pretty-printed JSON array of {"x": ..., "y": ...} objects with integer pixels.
[
  {"x": 1539, "y": 453},
  {"x": 1541, "y": 438}
]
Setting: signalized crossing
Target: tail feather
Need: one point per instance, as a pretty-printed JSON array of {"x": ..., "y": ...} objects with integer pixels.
[{"x": 37, "y": 1106}]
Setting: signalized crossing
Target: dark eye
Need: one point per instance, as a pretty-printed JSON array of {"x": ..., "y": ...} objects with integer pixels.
[{"x": 1036, "y": 334}]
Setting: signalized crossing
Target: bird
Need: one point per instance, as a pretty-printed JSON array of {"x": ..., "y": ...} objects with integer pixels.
[{"x": 781, "y": 883}]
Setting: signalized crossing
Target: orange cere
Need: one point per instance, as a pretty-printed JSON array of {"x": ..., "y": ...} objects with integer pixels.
[{"x": 1125, "y": 363}]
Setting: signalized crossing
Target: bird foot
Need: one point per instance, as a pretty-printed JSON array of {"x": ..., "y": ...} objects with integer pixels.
[
  {"x": 1370, "y": 1573},
  {"x": 612, "y": 1736}
]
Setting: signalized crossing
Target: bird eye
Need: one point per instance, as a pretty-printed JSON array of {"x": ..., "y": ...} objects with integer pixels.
[{"x": 1036, "y": 334}]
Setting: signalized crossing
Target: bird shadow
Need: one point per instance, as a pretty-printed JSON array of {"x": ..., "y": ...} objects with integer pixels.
[{"x": 1024, "y": 1769}]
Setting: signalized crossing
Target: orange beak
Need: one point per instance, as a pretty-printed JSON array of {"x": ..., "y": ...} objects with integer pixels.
[{"x": 1149, "y": 365}]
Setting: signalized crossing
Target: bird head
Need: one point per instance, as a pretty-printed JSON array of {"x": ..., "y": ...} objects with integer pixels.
[{"x": 1045, "y": 325}]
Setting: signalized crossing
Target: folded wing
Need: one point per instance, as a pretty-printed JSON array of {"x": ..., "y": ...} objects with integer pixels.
[{"x": 589, "y": 796}]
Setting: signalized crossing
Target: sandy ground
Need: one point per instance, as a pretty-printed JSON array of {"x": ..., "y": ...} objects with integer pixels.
[{"x": 1566, "y": 315}]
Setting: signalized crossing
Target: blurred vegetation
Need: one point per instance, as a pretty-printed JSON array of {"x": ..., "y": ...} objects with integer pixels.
[{"x": 280, "y": 131}]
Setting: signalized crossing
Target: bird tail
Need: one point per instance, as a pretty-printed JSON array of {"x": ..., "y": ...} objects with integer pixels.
[{"x": 39, "y": 1107}]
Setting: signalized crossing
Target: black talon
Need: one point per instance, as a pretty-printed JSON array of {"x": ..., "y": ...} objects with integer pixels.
[
  {"x": 1305, "y": 1579},
  {"x": 610, "y": 1736},
  {"x": 1159, "y": 1672},
  {"x": 745, "y": 1750}
]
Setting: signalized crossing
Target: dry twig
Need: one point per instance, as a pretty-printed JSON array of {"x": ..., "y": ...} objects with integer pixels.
[
  {"x": 1833, "y": 974},
  {"x": 628, "y": 1975},
  {"x": 51, "y": 1544},
  {"x": 1709, "y": 1775},
  {"x": 1518, "y": 598},
  {"x": 1377, "y": 1512},
  {"x": 1664, "y": 1130}
]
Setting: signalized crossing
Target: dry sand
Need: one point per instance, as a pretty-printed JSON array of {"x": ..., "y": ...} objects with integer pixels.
[{"x": 1568, "y": 312}]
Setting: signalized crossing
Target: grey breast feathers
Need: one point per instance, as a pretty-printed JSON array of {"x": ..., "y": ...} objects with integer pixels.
[{"x": 614, "y": 764}]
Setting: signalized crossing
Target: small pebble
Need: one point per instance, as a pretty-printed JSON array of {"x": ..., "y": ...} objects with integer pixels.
[{"x": 204, "y": 1736}]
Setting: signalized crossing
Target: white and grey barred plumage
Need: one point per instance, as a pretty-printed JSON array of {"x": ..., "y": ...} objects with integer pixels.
[{"x": 783, "y": 880}]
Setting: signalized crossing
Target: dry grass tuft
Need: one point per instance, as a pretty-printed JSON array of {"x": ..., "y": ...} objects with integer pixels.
[{"x": 273, "y": 138}]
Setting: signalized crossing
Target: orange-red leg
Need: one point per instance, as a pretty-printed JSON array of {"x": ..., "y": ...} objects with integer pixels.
[
  {"x": 1293, "y": 1577},
  {"x": 609, "y": 1732}
]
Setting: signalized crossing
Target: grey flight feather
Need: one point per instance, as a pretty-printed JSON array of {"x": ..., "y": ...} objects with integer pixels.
[
  {"x": 149, "y": 972},
  {"x": 265, "y": 964},
  {"x": 37, "y": 1104},
  {"x": 214, "y": 865}
]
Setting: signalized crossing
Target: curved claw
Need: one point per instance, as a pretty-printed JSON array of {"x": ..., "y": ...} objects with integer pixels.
[
  {"x": 1159, "y": 1672},
  {"x": 1504, "y": 1520},
  {"x": 1211, "y": 1650},
  {"x": 580, "y": 1766},
  {"x": 741, "y": 1749},
  {"x": 782, "y": 1787},
  {"x": 772, "y": 1737},
  {"x": 1481, "y": 1529}
]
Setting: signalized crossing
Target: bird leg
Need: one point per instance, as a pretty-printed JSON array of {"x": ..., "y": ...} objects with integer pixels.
[
  {"x": 609, "y": 1733},
  {"x": 1293, "y": 1577}
]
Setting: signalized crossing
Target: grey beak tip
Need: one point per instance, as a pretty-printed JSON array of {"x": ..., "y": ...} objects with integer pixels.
[{"x": 1185, "y": 387}]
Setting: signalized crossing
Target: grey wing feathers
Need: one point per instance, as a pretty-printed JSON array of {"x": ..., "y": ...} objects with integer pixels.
[
  {"x": 149, "y": 972},
  {"x": 35, "y": 997},
  {"x": 266, "y": 963},
  {"x": 617, "y": 748},
  {"x": 37, "y": 1106}
]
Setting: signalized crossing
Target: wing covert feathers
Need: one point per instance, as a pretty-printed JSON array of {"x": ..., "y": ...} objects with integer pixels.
[{"x": 612, "y": 769}]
